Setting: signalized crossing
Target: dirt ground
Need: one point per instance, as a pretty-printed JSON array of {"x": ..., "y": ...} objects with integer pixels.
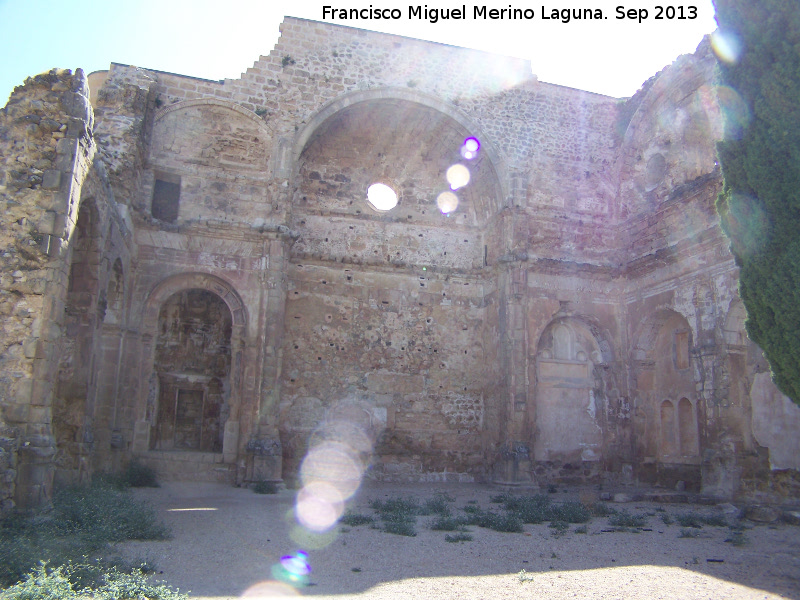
[{"x": 228, "y": 543}]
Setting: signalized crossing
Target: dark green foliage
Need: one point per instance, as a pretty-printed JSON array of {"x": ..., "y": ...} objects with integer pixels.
[
  {"x": 625, "y": 519},
  {"x": 760, "y": 158},
  {"x": 81, "y": 581},
  {"x": 529, "y": 509},
  {"x": 570, "y": 512},
  {"x": 447, "y": 523},
  {"x": 559, "y": 528},
  {"x": 438, "y": 505},
  {"x": 458, "y": 537},
  {"x": 601, "y": 509},
  {"x": 539, "y": 508},
  {"x": 140, "y": 475},
  {"x": 697, "y": 520},
  {"x": 105, "y": 514},
  {"x": 265, "y": 487},
  {"x": 505, "y": 522},
  {"x": 399, "y": 526},
  {"x": 354, "y": 519},
  {"x": 83, "y": 522},
  {"x": 399, "y": 515}
]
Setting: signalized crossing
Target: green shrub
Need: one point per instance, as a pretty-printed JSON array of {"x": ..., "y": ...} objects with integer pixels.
[
  {"x": 400, "y": 527},
  {"x": 399, "y": 515},
  {"x": 438, "y": 505},
  {"x": 689, "y": 533},
  {"x": 458, "y": 537},
  {"x": 84, "y": 520},
  {"x": 447, "y": 523},
  {"x": 559, "y": 528},
  {"x": 140, "y": 475},
  {"x": 697, "y": 520},
  {"x": 571, "y": 512},
  {"x": 625, "y": 519},
  {"x": 355, "y": 519},
  {"x": 265, "y": 487},
  {"x": 528, "y": 509},
  {"x": 62, "y": 583},
  {"x": 737, "y": 539},
  {"x": 601, "y": 509}
]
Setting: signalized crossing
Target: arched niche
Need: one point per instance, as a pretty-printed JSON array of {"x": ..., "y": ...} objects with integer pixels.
[
  {"x": 665, "y": 389},
  {"x": 223, "y": 386},
  {"x": 192, "y": 366},
  {"x": 734, "y": 327},
  {"x": 568, "y": 411}
]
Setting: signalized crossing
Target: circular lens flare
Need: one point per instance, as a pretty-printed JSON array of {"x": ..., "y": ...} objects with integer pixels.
[
  {"x": 458, "y": 176},
  {"x": 335, "y": 464},
  {"x": 319, "y": 506},
  {"x": 381, "y": 196},
  {"x": 470, "y": 147},
  {"x": 447, "y": 202}
]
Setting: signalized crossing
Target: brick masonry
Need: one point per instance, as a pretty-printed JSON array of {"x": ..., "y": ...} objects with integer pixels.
[{"x": 575, "y": 319}]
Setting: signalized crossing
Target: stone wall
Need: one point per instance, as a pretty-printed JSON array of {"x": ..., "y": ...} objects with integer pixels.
[{"x": 573, "y": 319}]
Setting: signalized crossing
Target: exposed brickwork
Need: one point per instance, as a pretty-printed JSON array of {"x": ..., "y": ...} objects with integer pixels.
[{"x": 574, "y": 319}]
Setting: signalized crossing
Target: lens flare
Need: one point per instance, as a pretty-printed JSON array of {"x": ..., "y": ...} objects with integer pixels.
[
  {"x": 381, "y": 196},
  {"x": 726, "y": 46},
  {"x": 293, "y": 569},
  {"x": 335, "y": 464},
  {"x": 457, "y": 176},
  {"x": 447, "y": 202},
  {"x": 319, "y": 506},
  {"x": 470, "y": 147},
  {"x": 735, "y": 112},
  {"x": 267, "y": 590}
]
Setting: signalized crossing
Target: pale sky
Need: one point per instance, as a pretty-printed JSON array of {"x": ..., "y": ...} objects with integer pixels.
[{"x": 217, "y": 39}]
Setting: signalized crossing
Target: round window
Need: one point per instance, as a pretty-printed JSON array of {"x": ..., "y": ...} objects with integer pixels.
[{"x": 381, "y": 196}]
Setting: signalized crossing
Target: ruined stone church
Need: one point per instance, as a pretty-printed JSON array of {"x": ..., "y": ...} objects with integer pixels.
[{"x": 194, "y": 276}]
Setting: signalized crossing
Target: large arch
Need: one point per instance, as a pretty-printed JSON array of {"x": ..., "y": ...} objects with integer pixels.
[
  {"x": 392, "y": 97},
  {"x": 147, "y": 404},
  {"x": 76, "y": 380}
]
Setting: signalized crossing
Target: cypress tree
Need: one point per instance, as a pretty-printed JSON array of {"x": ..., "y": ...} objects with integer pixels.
[{"x": 760, "y": 159}]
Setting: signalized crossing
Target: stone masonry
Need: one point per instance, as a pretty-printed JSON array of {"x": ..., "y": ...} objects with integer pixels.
[{"x": 192, "y": 277}]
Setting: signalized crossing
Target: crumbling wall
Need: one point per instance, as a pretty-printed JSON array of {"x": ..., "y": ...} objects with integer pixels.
[{"x": 45, "y": 153}]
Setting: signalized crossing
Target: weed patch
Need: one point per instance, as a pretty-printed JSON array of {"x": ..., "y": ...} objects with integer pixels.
[
  {"x": 354, "y": 519},
  {"x": 458, "y": 537},
  {"x": 83, "y": 522},
  {"x": 689, "y": 533},
  {"x": 625, "y": 519}
]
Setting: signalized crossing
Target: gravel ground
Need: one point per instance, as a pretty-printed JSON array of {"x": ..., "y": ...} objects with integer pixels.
[{"x": 228, "y": 541}]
